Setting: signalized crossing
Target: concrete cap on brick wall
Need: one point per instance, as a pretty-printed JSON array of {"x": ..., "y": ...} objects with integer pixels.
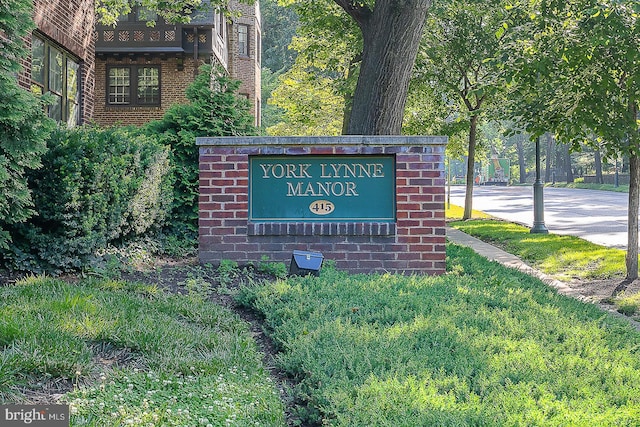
[{"x": 223, "y": 141}]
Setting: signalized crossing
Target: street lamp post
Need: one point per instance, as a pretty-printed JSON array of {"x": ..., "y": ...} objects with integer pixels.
[{"x": 538, "y": 199}]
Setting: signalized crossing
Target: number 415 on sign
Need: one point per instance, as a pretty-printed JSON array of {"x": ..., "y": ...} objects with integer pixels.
[{"x": 322, "y": 207}]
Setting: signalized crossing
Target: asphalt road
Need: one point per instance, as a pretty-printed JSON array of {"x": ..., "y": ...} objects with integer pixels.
[{"x": 597, "y": 216}]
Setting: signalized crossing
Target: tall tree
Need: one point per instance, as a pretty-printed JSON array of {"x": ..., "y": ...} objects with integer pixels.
[
  {"x": 391, "y": 33},
  {"x": 462, "y": 39},
  {"x": 579, "y": 76},
  {"x": 551, "y": 151},
  {"x": 597, "y": 158},
  {"x": 521, "y": 162}
]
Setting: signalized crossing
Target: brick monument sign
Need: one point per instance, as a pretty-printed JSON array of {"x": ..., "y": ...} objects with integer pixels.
[{"x": 370, "y": 203}]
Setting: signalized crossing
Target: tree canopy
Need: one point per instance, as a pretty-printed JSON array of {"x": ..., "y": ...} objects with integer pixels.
[{"x": 108, "y": 11}]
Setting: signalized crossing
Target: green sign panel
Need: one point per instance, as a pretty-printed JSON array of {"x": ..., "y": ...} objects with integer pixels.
[{"x": 322, "y": 188}]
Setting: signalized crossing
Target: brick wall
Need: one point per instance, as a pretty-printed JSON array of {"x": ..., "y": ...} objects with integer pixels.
[
  {"x": 247, "y": 68},
  {"x": 173, "y": 84},
  {"x": 70, "y": 24},
  {"x": 414, "y": 243}
]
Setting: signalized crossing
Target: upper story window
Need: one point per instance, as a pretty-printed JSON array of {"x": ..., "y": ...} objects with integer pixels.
[
  {"x": 243, "y": 40},
  {"x": 133, "y": 85},
  {"x": 56, "y": 71}
]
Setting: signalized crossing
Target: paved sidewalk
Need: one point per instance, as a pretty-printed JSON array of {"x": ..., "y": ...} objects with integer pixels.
[{"x": 496, "y": 254}]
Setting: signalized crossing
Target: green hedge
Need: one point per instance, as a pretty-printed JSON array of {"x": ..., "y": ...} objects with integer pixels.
[{"x": 96, "y": 187}]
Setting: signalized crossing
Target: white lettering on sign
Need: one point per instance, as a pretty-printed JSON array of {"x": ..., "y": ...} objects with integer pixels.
[
  {"x": 335, "y": 171},
  {"x": 288, "y": 170},
  {"x": 316, "y": 189},
  {"x": 351, "y": 170}
]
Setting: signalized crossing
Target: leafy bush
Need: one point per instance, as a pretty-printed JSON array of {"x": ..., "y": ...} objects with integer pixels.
[
  {"x": 219, "y": 112},
  {"x": 23, "y": 124},
  {"x": 97, "y": 187}
]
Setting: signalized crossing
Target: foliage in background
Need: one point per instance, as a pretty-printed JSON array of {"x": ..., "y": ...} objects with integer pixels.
[
  {"x": 481, "y": 345},
  {"x": 132, "y": 355},
  {"x": 173, "y": 11},
  {"x": 23, "y": 124},
  {"x": 279, "y": 25},
  {"x": 217, "y": 111},
  {"x": 456, "y": 58},
  {"x": 579, "y": 75},
  {"x": 97, "y": 187},
  {"x": 310, "y": 105},
  {"x": 314, "y": 90}
]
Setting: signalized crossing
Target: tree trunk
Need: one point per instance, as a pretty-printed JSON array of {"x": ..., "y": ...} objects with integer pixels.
[
  {"x": 567, "y": 163},
  {"x": 468, "y": 197},
  {"x": 348, "y": 98},
  {"x": 632, "y": 217},
  {"x": 598, "y": 164},
  {"x": 391, "y": 35},
  {"x": 521, "y": 163},
  {"x": 550, "y": 149}
]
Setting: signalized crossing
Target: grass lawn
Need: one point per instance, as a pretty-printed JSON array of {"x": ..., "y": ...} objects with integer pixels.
[
  {"x": 481, "y": 345},
  {"x": 563, "y": 256},
  {"x": 456, "y": 212},
  {"x": 133, "y": 354}
]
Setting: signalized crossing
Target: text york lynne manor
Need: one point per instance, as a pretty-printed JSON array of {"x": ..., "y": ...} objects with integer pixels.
[{"x": 322, "y": 179}]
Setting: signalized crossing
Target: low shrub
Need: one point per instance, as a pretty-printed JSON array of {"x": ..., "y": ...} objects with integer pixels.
[
  {"x": 483, "y": 345},
  {"x": 97, "y": 187}
]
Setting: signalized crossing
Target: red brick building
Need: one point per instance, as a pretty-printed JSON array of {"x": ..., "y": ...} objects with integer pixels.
[
  {"x": 131, "y": 73},
  {"x": 62, "y": 58},
  {"x": 142, "y": 70}
]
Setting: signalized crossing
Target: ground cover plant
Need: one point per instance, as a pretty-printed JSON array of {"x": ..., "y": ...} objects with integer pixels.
[
  {"x": 564, "y": 256},
  {"x": 133, "y": 354},
  {"x": 481, "y": 345}
]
